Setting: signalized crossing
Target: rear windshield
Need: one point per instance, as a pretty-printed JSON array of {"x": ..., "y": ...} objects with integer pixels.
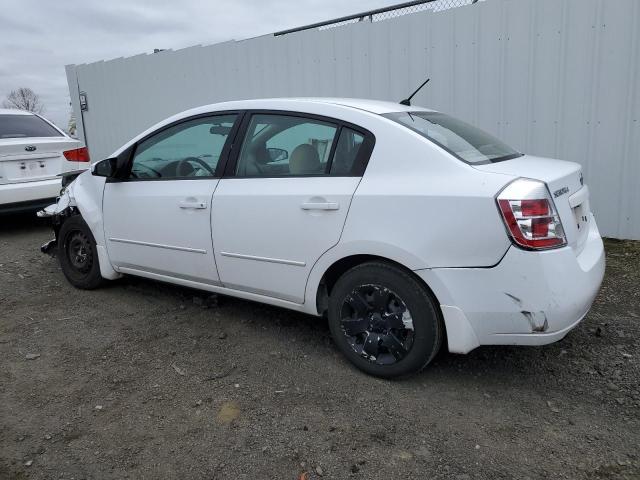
[
  {"x": 17, "y": 126},
  {"x": 464, "y": 141}
]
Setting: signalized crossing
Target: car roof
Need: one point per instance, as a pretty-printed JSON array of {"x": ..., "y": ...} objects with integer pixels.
[
  {"x": 372, "y": 106},
  {"x": 13, "y": 111}
]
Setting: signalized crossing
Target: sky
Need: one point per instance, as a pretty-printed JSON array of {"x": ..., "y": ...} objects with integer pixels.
[{"x": 39, "y": 37}]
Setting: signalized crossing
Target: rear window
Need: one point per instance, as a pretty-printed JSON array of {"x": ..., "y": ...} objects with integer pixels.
[
  {"x": 18, "y": 126},
  {"x": 464, "y": 141}
]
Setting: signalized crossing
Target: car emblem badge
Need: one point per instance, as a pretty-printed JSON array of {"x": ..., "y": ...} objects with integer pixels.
[
  {"x": 30, "y": 148},
  {"x": 581, "y": 179},
  {"x": 560, "y": 191}
]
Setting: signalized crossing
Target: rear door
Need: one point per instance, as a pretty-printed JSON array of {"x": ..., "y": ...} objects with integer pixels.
[
  {"x": 284, "y": 200},
  {"x": 157, "y": 220},
  {"x": 31, "y": 149}
]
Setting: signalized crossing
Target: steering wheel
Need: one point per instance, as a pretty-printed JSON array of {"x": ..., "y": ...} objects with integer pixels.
[{"x": 184, "y": 167}]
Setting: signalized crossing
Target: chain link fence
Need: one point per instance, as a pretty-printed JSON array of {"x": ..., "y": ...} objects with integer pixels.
[
  {"x": 381, "y": 14},
  {"x": 434, "y": 6}
]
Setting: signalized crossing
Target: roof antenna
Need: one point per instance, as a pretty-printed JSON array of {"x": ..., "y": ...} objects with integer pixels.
[{"x": 407, "y": 101}]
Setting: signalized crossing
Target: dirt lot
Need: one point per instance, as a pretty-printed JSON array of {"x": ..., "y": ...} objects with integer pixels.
[{"x": 144, "y": 380}]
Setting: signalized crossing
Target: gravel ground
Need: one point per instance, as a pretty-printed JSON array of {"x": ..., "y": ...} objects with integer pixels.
[{"x": 145, "y": 380}]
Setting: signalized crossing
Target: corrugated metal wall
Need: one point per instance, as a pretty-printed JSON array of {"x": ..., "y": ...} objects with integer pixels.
[{"x": 557, "y": 78}]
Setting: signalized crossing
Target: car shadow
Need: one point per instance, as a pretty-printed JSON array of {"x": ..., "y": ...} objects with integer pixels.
[
  {"x": 499, "y": 365},
  {"x": 22, "y": 223}
]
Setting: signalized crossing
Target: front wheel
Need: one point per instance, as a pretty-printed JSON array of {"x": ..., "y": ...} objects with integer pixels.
[
  {"x": 384, "y": 320},
  {"x": 78, "y": 255}
]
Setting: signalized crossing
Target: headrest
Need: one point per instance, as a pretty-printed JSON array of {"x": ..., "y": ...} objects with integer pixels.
[{"x": 304, "y": 160}]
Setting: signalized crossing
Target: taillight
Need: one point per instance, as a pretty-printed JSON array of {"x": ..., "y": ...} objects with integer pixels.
[
  {"x": 530, "y": 215},
  {"x": 77, "y": 155}
]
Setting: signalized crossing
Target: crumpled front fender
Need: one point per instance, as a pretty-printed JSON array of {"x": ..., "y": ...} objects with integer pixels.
[
  {"x": 57, "y": 212},
  {"x": 82, "y": 196},
  {"x": 64, "y": 201}
]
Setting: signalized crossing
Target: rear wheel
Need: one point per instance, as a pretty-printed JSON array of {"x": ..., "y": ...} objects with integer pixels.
[
  {"x": 384, "y": 320},
  {"x": 78, "y": 255}
]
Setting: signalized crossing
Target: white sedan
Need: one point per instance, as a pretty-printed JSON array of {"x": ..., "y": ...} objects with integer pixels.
[
  {"x": 33, "y": 154},
  {"x": 403, "y": 225}
]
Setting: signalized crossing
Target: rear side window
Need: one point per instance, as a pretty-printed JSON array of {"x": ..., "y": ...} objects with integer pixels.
[
  {"x": 464, "y": 141},
  {"x": 19, "y": 126}
]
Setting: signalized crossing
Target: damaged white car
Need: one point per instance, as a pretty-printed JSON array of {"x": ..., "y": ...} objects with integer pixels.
[{"x": 406, "y": 227}]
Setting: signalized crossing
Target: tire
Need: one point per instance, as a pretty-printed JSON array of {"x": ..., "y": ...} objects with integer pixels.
[
  {"x": 371, "y": 309},
  {"x": 78, "y": 255}
]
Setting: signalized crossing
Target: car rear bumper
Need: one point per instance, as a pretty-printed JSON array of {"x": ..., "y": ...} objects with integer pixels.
[
  {"x": 29, "y": 206},
  {"x": 16, "y": 197},
  {"x": 529, "y": 298}
]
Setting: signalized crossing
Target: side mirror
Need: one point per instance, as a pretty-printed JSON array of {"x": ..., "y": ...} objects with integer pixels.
[
  {"x": 105, "y": 168},
  {"x": 277, "y": 154}
]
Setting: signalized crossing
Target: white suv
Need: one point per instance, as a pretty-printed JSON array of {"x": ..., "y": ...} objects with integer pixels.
[
  {"x": 33, "y": 154},
  {"x": 401, "y": 224}
]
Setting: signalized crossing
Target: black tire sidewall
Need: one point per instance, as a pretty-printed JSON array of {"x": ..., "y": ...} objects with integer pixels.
[
  {"x": 92, "y": 278},
  {"x": 427, "y": 322}
]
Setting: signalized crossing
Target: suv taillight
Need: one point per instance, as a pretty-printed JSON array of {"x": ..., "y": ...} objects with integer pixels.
[
  {"x": 530, "y": 215},
  {"x": 77, "y": 155}
]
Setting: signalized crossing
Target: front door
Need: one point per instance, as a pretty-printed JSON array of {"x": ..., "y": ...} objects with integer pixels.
[
  {"x": 159, "y": 219},
  {"x": 285, "y": 204}
]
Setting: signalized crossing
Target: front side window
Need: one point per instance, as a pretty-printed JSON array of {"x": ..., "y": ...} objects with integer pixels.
[
  {"x": 190, "y": 149},
  {"x": 282, "y": 145},
  {"x": 464, "y": 141},
  {"x": 24, "y": 126}
]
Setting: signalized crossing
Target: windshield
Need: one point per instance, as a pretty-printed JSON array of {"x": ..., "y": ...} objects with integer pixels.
[
  {"x": 466, "y": 142},
  {"x": 19, "y": 126}
]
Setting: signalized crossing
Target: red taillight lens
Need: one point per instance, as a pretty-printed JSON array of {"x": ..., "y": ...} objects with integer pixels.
[
  {"x": 530, "y": 216},
  {"x": 534, "y": 208},
  {"x": 77, "y": 155},
  {"x": 540, "y": 227}
]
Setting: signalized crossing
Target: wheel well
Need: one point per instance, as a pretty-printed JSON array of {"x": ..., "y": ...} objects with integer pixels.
[
  {"x": 58, "y": 219},
  {"x": 335, "y": 271}
]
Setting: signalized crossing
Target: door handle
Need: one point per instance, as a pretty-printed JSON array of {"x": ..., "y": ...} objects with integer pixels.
[
  {"x": 193, "y": 205},
  {"x": 320, "y": 206}
]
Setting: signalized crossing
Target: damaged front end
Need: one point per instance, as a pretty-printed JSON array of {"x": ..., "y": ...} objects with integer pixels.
[
  {"x": 60, "y": 211},
  {"x": 50, "y": 247}
]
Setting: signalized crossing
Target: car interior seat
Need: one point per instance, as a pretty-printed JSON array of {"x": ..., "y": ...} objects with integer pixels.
[{"x": 304, "y": 160}]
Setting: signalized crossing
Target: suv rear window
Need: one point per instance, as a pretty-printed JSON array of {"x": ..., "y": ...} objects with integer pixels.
[
  {"x": 464, "y": 141},
  {"x": 18, "y": 126}
]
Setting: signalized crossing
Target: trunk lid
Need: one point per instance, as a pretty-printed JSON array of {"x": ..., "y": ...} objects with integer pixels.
[
  {"x": 34, "y": 159},
  {"x": 566, "y": 186}
]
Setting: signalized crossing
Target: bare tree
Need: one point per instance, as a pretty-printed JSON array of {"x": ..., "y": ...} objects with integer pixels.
[{"x": 24, "y": 99}]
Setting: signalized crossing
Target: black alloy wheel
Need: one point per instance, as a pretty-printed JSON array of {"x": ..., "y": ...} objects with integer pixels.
[
  {"x": 377, "y": 324},
  {"x": 384, "y": 319}
]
